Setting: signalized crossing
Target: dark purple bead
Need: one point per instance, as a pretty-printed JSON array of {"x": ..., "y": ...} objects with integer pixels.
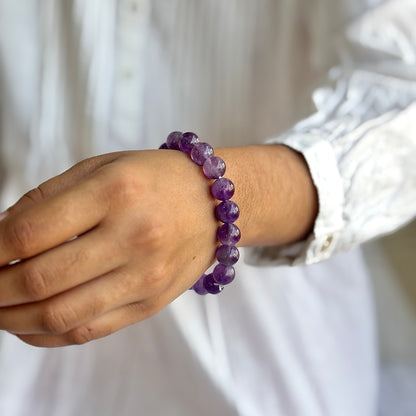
[
  {"x": 199, "y": 286},
  {"x": 164, "y": 146},
  {"x": 227, "y": 211},
  {"x": 223, "y": 275},
  {"x": 227, "y": 255},
  {"x": 228, "y": 234},
  {"x": 187, "y": 142},
  {"x": 222, "y": 189},
  {"x": 214, "y": 167},
  {"x": 201, "y": 152},
  {"x": 211, "y": 285},
  {"x": 172, "y": 140}
]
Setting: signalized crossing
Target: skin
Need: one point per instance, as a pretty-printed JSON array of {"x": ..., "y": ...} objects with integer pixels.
[{"x": 146, "y": 231}]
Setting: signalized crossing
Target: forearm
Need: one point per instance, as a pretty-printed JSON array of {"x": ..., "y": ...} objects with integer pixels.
[{"x": 275, "y": 192}]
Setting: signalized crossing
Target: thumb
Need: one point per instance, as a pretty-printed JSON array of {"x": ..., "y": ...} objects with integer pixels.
[{"x": 59, "y": 183}]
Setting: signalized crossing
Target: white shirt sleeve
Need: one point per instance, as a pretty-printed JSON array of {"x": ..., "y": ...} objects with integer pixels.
[{"x": 360, "y": 144}]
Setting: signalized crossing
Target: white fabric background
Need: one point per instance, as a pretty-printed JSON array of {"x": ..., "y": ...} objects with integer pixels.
[{"x": 80, "y": 78}]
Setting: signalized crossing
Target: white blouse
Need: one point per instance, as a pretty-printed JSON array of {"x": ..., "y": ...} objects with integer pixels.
[{"x": 334, "y": 79}]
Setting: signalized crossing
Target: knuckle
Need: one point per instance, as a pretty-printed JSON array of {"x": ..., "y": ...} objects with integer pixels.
[
  {"x": 156, "y": 233},
  {"x": 80, "y": 335},
  {"x": 19, "y": 236},
  {"x": 28, "y": 199},
  {"x": 35, "y": 194},
  {"x": 150, "y": 233},
  {"x": 34, "y": 282},
  {"x": 155, "y": 278},
  {"x": 123, "y": 186},
  {"x": 57, "y": 320}
]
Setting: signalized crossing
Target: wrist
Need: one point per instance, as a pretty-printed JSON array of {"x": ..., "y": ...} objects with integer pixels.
[
  {"x": 226, "y": 211},
  {"x": 275, "y": 192}
]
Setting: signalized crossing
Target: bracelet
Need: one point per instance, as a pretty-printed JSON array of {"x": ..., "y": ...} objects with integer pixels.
[{"x": 226, "y": 211}]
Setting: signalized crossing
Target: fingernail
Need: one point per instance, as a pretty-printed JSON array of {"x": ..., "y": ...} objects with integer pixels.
[{"x": 3, "y": 215}]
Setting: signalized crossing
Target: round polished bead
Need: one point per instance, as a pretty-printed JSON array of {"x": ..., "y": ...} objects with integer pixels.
[
  {"x": 222, "y": 189},
  {"x": 228, "y": 234},
  {"x": 214, "y": 167},
  {"x": 172, "y": 140},
  {"x": 163, "y": 146},
  {"x": 223, "y": 275},
  {"x": 227, "y": 211},
  {"x": 211, "y": 285},
  {"x": 201, "y": 152},
  {"x": 187, "y": 142},
  {"x": 199, "y": 286},
  {"x": 227, "y": 255}
]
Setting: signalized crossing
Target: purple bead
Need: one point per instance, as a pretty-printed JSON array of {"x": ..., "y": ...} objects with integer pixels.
[
  {"x": 227, "y": 255},
  {"x": 211, "y": 285},
  {"x": 222, "y": 189},
  {"x": 201, "y": 152},
  {"x": 199, "y": 286},
  {"x": 223, "y": 275},
  {"x": 187, "y": 142},
  {"x": 163, "y": 146},
  {"x": 227, "y": 211},
  {"x": 172, "y": 140},
  {"x": 228, "y": 234},
  {"x": 214, "y": 167}
]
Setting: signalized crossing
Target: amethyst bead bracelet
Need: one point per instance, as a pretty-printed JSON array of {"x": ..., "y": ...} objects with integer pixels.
[{"x": 226, "y": 211}]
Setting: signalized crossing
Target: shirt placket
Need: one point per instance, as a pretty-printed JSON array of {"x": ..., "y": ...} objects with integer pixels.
[{"x": 127, "y": 109}]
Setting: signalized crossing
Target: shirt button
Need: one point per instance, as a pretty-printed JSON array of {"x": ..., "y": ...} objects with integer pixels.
[
  {"x": 127, "y": 74},
  {"x": 327, "y": 243},
  {"x": 134, "y": 7}
]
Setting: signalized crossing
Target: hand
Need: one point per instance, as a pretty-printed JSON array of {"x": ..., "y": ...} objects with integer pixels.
[
  {"x": 117, "y": 237},
  {"x": 106, "y": 244}
]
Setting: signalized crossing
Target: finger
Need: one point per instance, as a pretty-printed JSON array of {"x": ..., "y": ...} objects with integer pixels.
[
  {"x": 52, "y": 222},
  {"x": 105, "y": 324},
  {"x": 61, "y": 182},
  {"x": 55, "y": 271},
  {"x": 100, "y": 327},
  {"x": 71, "y": 309}
]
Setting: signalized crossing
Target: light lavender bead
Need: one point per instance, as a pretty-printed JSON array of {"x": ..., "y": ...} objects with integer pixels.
[
  {"x": 172, "y": 140},
  {"x": 227, "y": 255},
  {"x": 214, "y": 167},
  {"x": 187, "y": 142},
  {"x": 201, "y": 152},
  {"x": 228, "y": 234},
  {"x": 227, "y": 211},
  {"x": 223, "y": 275},
  {"x": 222, "y": 189}
]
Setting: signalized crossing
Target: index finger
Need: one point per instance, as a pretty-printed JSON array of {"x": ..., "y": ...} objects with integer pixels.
[
  {"x": 51, "y": 222},
  {"x": 60, "y": 183}
]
